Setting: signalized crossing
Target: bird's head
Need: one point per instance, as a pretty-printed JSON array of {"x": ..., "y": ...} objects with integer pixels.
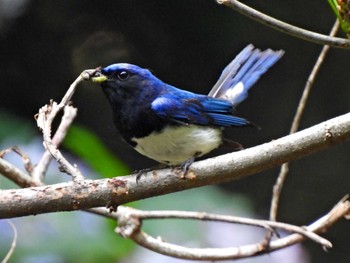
[
  {"x": 126, "y": 82},
  {"x": 122, "y": 75}
]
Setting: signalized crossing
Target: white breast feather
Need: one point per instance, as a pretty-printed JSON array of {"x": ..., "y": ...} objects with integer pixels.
[{"x": 175, "y": 145}]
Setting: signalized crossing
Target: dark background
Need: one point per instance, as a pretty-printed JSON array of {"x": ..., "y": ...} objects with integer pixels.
[{"x": 44, "y": 45}]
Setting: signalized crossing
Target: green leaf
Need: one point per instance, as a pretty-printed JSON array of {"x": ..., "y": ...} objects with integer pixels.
[
  {"x": 341, "y": 8},
  {"x": 89, "y": 147}
]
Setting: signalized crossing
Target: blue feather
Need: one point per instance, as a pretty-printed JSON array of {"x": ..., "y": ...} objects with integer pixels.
[
  {"x": 190, "y": 108},
  {"x": 227, "y": 120},
  {"x": 243, "y": 72},
  {"x": 171, "y": 125}
]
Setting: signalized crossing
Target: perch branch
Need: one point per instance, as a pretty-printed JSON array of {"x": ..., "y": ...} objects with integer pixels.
[{"x": 233, "y": 166}]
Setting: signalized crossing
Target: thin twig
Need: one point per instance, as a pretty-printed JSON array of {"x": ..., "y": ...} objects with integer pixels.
[
  {"x": 25, "y": 159},
  {"x": 130, "y": 226},
  {"x": 13, "y": 244},
  {"x": 67, "y": 119},
  {"x": 296, "y": 122},
  {"x": 310, "y": 81},
  {"x": 285, "y": 27},
  {"x": 16, "y": 175},
  {"x": 143, "y": 215},
  {"x": 45, "y": 118}
]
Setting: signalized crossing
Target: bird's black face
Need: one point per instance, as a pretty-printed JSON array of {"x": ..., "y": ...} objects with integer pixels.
[
  {"x": 130, "y": 91},
  {"x": 128, "y": 86},
  {"x": 122, "y": 82}
]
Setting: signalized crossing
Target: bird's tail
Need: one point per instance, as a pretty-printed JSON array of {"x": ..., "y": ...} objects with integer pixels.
[{"x": 242, "y": 73}]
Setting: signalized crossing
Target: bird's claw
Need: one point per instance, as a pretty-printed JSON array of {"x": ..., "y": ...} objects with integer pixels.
[{"x": 141, "y": 172}]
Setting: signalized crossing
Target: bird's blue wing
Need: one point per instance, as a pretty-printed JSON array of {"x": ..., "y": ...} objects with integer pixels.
[
  {"x": 242, "y": 73},
  {"x": 188, "y": 108}
]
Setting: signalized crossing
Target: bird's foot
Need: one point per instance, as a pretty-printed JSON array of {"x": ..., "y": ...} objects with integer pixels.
[
  {"x": 185, "y": 166},
  {"x": 182, "y": 169},
  {"x": 141, "y": 172}
]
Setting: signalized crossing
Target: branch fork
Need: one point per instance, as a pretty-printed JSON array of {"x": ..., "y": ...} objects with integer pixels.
[{"x": 130, "y": 222}]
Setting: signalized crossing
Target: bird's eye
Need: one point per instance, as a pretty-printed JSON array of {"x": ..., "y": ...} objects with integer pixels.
[{"x": 123, "y": 75}]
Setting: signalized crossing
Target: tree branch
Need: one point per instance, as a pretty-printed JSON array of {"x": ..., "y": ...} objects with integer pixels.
[
  {"x": 277, "y": 189},
  {"x": 16, "y": 175},
  {"x": 116, "y": 191},
  {"x": 125, "y": 213},
  {"x": 285, "y": 27},
  {"x": 131, "y": 226}
]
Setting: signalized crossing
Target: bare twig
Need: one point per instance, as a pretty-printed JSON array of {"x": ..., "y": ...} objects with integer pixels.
[
  {"x": 45, "y": 118},
  {"x": 284, "y": 27},
  {"x": 126, "y": 212},
  {"x": 25, "y": 159},
  {"x": 310, "y": 81},
  {"x": 67, "y": 119},
  {"x": 16, "y": 175},
  {"x": 13, "y": 244},
  {"x": 130, "y": 226},
  {"x": 296, "y": 122},
  {"x": 87, "y": 194}
]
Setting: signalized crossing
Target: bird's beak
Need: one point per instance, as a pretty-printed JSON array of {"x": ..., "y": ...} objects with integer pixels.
[{"x": 98, "y": 77}]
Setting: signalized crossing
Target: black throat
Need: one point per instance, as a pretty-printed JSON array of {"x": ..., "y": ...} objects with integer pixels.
[{"x": 132, "y": 113}]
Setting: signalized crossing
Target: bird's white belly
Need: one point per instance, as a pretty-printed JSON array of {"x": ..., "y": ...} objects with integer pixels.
[{"x": 175, "y": 145}]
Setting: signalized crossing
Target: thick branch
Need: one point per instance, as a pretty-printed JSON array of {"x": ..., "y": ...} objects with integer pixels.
[{"x": 87, "y": 193}]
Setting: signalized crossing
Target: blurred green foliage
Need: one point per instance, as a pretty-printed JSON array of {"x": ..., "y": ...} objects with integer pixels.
[
  {"x": 14, "y": 126},
  {"x": 90, "y": 148}
]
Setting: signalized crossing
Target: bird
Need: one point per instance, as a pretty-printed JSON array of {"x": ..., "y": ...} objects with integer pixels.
[{"x": 173, "y": 126}]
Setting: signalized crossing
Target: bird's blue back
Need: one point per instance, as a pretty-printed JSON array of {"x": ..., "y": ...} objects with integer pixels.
[
  {"x": 170, "y": 104},
  {"x": 174, "y": 126},
  {"x": 142, "y": 103}
]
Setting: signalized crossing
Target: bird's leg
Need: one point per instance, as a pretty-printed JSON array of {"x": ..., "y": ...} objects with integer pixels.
[
  {"x": 185, "y": 166},
  {"x": 141, "y": 172}
]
